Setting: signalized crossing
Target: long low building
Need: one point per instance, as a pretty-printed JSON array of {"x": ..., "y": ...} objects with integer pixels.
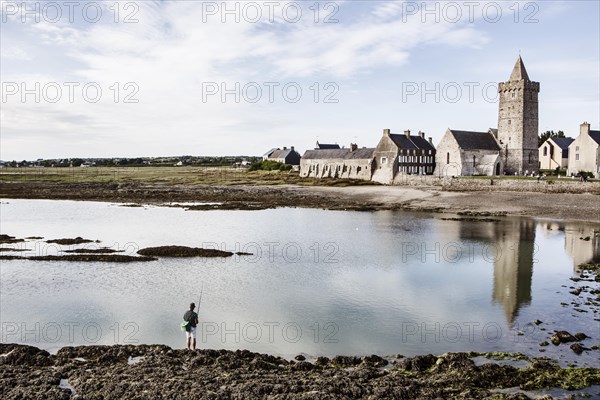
[{"x": 349, "y": 163}]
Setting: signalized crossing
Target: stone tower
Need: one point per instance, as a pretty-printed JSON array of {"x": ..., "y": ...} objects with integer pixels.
[{"x": 518, "y": 122}]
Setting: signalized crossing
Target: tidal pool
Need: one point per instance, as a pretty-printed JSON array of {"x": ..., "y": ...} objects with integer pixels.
[{"x": 319, "y": 282}]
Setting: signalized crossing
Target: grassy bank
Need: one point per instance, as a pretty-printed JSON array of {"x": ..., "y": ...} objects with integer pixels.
[{"x": 221, "y": 176}]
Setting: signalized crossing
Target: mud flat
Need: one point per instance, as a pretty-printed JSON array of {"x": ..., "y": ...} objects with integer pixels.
[{"x": 510, "y": 200}]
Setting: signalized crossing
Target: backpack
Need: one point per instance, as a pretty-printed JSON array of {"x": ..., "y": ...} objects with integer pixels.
[{"x": 185, "y": 325}]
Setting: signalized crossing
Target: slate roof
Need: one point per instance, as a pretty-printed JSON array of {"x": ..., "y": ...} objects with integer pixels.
[
  {"x": 412, "y": 142},
  {"x": 268, "y": 153},
  {"x": 402, "y": 141},
  {"x": 344, "y": 154},
  {"x": 324, "y": 146},
  {"x": 475, "y": 140},
  {"x": 563, "y": 143},
  {"x": 280, "y": 153},
  {"x": 596, "y": 136}
]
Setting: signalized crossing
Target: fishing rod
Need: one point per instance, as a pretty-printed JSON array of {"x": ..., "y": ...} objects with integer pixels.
[{"x": 201, "y": 291}]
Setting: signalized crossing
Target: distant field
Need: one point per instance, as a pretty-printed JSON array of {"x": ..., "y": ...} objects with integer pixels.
[
  {"x": 193, "y": 176},
  {"x": 167, "y": 175}
]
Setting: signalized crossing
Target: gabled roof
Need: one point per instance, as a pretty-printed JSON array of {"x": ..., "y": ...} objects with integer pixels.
[
  {"x": 563, "y": 143},
  {"x": 596, "y": 136},
  {"x": 475, "y": 140},
  {"x": 411, "y": 142},
  {"x": 422, "y": 143},
  {"x": 280, "y": 153},
  {"x": 402, "y": 141},
  {"x": 268, "y": 153},
  {"x": 344, "y": 154},
  {"x": 519, "y": 72},
  {"x": 324, "y": 146}
]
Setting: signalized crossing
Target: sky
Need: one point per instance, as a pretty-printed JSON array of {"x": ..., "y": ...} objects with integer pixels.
[{"x": 164, "y": 78}]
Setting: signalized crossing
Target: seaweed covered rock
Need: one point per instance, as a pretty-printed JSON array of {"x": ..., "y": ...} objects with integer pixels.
[{"x": 182, "y": 251}]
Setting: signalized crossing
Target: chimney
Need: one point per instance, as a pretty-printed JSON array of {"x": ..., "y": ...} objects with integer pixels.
[
  {"x": 431, "y": 140},
  {"x": 407, "y": 133},
  {"x": 285, "y": 148},
  {"x": 353, "y": 146},
  {"x": 584, "y": 129},
  {"x": 292, "y": 148},
  {"x": 386, "y": 132},
  {"x": 422, "y": 134}
]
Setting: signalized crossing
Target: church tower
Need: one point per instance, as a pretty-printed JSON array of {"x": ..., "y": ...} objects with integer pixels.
[{"x": 518, "y": 122}]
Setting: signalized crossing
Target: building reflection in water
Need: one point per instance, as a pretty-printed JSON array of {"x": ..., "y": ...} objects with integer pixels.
[
  {"x": 513, "y": 266},
  {"x": 511, "y": 245}
]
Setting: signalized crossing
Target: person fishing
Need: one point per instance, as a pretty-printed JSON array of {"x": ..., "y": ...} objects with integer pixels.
[{"x": 191, "y": 318}]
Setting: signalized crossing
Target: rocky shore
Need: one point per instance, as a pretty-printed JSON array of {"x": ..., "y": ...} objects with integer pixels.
[{"x": 159, "y": 372}]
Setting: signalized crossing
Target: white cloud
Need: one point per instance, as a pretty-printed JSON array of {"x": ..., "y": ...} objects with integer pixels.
[{"x": 171, "y": 52}]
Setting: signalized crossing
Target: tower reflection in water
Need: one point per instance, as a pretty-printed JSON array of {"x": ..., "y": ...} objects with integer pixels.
[{"x": 513, "y": 241}]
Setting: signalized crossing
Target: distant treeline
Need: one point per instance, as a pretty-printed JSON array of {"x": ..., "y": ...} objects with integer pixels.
[{"x": 136, "y": 162}]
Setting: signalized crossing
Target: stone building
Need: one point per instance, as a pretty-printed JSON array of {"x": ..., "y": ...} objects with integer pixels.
[
  {"x": 350, "y": 163},
  {"x": 584, "y": 152},
  {"x": 518, "y": 122},
  {"x": 554, "y": 153},
  {"x": 468, "y": 153},
  {"x": 510, "y": 149},
  {"x": 402, "y": 154},
  {"x": 285, "y": 156}
]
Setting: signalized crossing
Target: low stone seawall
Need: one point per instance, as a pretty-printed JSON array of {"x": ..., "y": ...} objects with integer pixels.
[{"x": 466, "y": 184}]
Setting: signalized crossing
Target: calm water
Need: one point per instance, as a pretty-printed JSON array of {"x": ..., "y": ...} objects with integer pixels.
[{"x": 319, "y": 282}]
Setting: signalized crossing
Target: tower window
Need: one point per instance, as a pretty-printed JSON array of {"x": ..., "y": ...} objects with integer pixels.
[
  {"x": 447, "y": 158},
  {"x": 383, "y": 160},
  {"x": 530, "y": 157}
]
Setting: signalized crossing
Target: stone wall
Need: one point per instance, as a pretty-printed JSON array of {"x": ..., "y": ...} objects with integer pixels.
[
  {"x": 564, "y": 185},
  {"x": 337, "y": 168}
]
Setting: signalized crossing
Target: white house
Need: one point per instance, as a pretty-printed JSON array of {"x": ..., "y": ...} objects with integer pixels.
[
  {"x": 584, "y": 152},
  {"x": 554, "y": 153}
]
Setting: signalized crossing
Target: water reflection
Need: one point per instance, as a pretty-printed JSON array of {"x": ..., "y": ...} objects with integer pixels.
[
  {"x": 392, "y": 282},
  {"x": 582, "y": 241},
  {"x": 513, "y": 266},
  {"x": 510, "y": 245}
]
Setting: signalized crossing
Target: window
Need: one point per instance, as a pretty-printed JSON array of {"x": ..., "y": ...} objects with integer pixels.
[
  {"x": 545, "y": 151},
  {"x": 474, "y": 162},
  {"x": 447, "y": 158},
  {"x": 576, "y": 148},
  {"x": 383, "y": 160},
  {"x": 509, "y": 121},
  {"x": 513, "y": 95},
  {"x": 530, "y": 157},
  {"x": 576, "y": 157}
]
